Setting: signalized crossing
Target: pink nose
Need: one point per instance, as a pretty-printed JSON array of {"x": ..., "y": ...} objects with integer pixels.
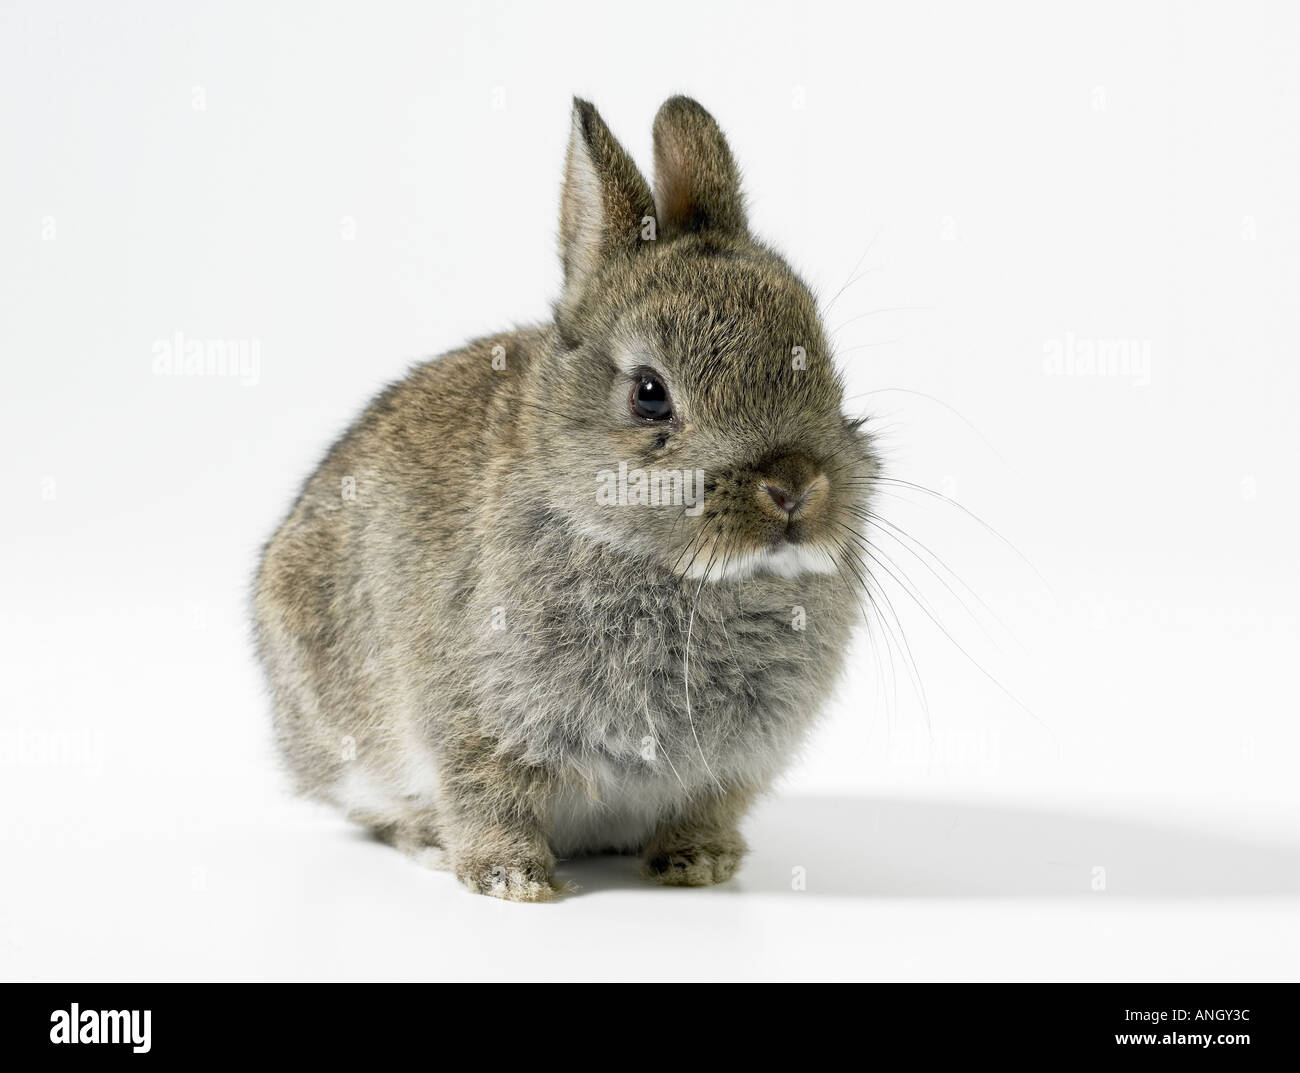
[
  {"x": 783, "y": 499},
  {"x": 791, "y": 489}
]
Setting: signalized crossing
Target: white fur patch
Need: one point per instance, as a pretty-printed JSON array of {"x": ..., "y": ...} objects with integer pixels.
[
  {"x": 415, "y": 781},
  {"x": 432, "y": 857},
  {"x": 631, "y": 356},
  {"x": 616, "y": 812},
  {"x": 789, "y": 560},
  {"x": 419, "y": 775},
  {"x": 360, "y": 792}
]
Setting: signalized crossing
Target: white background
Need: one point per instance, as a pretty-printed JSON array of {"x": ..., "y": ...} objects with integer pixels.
[{"x": 354, "y": 187}]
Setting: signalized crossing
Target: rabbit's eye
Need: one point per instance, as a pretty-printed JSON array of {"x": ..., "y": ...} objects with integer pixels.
[{"x": 650, "y": 399}]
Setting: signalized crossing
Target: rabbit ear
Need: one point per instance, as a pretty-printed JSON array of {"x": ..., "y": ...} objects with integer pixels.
[
  {"x": 697, "y": 186},
  {"x": 605, "y": 201}
]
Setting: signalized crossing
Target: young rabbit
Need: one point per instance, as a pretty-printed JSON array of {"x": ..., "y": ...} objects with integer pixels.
[{"x": 583, "y": 587}]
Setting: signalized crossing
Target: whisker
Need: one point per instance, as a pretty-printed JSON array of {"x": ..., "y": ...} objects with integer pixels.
[
  {"x": 686, "y": 668},
  {"x": 965, "y": 510},
  {"x": 853, "y": 277},
  {"x": 877, "y": 520},
  {"x": 974, "y": 662},
  {"x": 910, "y": 543},
  {"x": 905, "y": 649},
  {"x": 876, "y": 312},
  {"x": 658, "y": 743},
  {"x": 867, "y": 346},
  {"x": 866, "y": 457},
  {"x": 866, "y": 619},
  {"x": 551, "y": 411},
  {"x": 939, "y": 402},
  {"x": 867, "y": 546},
  {"x": 698, "y": 534},
  {"x": 892, "y": 683}
]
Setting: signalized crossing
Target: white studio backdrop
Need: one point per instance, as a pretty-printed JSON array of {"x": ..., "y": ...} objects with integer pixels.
[{"x": 1070, "y": 240}]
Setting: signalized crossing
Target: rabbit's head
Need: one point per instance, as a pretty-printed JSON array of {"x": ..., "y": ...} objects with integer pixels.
[{"x": 690, "y": 412}]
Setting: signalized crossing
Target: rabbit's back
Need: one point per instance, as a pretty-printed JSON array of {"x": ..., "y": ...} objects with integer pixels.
[{"x": 358, "y": 583}]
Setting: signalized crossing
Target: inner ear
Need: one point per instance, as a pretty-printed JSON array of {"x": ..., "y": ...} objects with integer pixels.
[
  {"x": 697, "y": 185},
  {"x": 605, "y": 201}
]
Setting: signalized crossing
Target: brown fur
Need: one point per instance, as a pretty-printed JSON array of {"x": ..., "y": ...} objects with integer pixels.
[{"x": 470, "y": 653}]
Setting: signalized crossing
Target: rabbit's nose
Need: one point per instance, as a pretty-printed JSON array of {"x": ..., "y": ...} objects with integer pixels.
[
  {"x": 783, "y": 498},
  {"x": 791, "y": 488}
]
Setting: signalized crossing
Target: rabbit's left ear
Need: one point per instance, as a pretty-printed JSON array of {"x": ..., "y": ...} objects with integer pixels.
[
  {"x": 606, "y": 202},
  {"x": 697, "y": 185}
]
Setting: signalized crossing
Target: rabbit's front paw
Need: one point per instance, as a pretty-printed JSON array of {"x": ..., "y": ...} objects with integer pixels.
[
  {"x": 513, "y": 880},
  {"x": 694, "y": 864}
]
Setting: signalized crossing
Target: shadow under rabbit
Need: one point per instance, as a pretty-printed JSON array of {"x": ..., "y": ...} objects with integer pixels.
[{"x": 844, "y": 846}]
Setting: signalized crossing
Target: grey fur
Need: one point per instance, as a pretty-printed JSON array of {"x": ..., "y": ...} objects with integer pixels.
[{"x": 488, "y": 667}]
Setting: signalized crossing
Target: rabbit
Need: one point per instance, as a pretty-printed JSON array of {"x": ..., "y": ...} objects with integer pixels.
[{"x": 583, "y": 587}]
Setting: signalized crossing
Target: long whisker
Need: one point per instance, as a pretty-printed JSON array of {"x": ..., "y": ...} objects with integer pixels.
[
  {"x": 938, "y": 402},
  {"x": 551, "y": 411},
  {"x": 868, "y": 547},
  {"x": 722, "y": 623},
  {"x": 974, "y": 662},
  {"x": 853, "y": 277},
  {"x": 866, "y": 579},
  {"x": 867, "y": 346},
  {"x": 703, "y": 544},
  {"x": 686, "y": 668},
  {"x": 864, "y": 458},
  {"x": 911, "y": 544},
  {"x": 698, "y": 535},
  {"x": 853, "y": 442},
  {"x": 876, "y": 519},
  {"x": 892, "y": 682},
  {"x": 876, "y": 479},
  {"x": 876, "y": 312},
  {"x": 659, "y": 744}
]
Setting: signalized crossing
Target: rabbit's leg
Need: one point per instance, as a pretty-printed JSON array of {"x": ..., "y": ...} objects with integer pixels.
[
  {"x": 495, "y": 813},
  {"x": 414, "y": 831},
  {"x": 702, "y": 844}
]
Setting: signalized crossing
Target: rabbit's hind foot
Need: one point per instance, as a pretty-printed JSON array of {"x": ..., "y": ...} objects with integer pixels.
[{"x": 415, "y": 833}]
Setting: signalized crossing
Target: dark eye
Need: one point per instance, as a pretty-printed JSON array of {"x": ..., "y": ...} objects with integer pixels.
[{"x": 650, "y": 399}]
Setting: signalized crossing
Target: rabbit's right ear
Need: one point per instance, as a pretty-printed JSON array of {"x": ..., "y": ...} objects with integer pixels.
[
  {"x": 606, "y": 202},
  {"x": 697, "y": 184}
]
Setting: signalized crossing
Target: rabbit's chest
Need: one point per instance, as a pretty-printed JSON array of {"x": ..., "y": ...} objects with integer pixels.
[
  {"x": 645, "y": 705},
  {"x": 612, "y": 808}
]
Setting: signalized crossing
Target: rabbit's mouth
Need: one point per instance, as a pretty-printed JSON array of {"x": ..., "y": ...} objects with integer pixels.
[{"x": 773, "y": 518}]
